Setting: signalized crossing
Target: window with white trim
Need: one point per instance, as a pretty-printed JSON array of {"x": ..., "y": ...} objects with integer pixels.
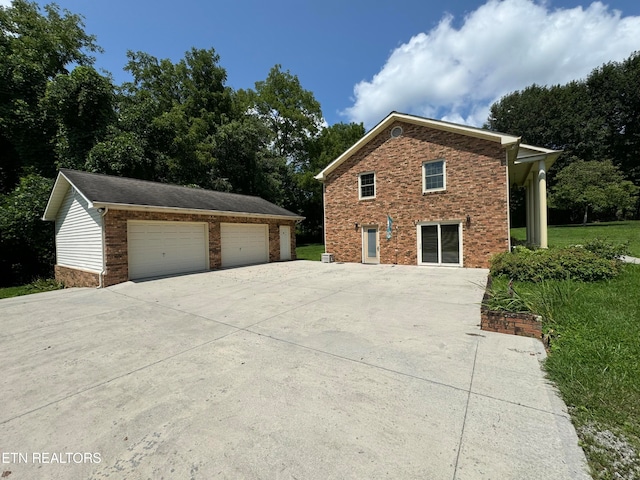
[
  {"x": 440, "y": 244},
  {"x": 367, "y": 185},
  {"x": 434, "y": 175}
]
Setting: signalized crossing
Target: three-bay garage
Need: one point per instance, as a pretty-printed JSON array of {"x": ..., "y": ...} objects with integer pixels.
[{"x": 113, "y": 229}]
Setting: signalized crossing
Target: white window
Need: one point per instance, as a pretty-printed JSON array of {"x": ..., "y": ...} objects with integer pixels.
[
  {"x": 367, "y": 185},
  {"x": 440, "y": 244},
  {"x": 434, "y": 176}
]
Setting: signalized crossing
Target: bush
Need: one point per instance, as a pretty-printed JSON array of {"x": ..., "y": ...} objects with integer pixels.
[
  {"x": 576, "y": 263},
  {"x": 606, "y": 249}
]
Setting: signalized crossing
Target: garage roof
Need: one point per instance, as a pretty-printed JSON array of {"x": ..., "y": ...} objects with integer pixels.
[{"x": 106, "y": 191}]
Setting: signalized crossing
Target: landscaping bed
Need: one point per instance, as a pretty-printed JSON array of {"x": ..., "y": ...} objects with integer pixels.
[{"x": 590, "y": 321}]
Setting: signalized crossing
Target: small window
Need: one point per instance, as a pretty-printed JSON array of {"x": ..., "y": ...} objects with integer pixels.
[
  {"x": 396, "y": 132},
  {"x": 433, "y": 176},
  {"x": 367, "y": 185}
]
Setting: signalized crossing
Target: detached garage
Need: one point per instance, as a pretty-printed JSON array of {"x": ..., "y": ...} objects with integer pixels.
[{"x": 113, "y": 229}]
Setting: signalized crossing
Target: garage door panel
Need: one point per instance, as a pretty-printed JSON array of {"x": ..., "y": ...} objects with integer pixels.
[
  {"x": 244, "y": 244},
  {"x": 166, "y": 248}
]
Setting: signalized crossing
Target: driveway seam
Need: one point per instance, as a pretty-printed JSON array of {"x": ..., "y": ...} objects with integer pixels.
[{"x": 466, "y": 411}]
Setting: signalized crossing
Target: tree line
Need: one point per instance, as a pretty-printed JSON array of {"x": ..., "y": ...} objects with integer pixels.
[
  {"x": 179, "y": 122},
  {"x": 596, "y": 122},
  {"x": 176, "y": 122}
]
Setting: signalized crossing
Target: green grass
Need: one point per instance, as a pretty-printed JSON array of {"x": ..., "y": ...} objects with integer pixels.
[
  {"x": 312, "y": 251},
  {"x": 594, "y": 360},
  {"x": 616, "y": 232},
  {"x": 37, "y": 286}
]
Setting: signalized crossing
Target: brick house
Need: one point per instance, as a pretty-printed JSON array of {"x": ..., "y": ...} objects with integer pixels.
[
  {"x": 113, "y": 229},
  {"x": 416, "y": 191}
]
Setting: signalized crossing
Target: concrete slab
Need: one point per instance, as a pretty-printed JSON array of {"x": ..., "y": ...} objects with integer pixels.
[{"x": 288, "y": 370}]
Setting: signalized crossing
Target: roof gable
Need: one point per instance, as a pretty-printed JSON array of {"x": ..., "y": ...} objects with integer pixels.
[
  {"x": 128, "y": 193},
  {"x": 501, "y": 138}
]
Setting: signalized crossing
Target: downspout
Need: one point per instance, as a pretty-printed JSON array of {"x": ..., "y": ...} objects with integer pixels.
[
  {"x": 104, "y": 254},
  {"x": 324, "y": 216}
]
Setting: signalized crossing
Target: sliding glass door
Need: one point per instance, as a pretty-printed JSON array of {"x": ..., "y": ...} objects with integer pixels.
[{"x": 439, "y": 244}]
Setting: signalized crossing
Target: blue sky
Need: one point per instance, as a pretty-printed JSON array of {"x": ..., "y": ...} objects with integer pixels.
[{"x": 362, "y": 59}]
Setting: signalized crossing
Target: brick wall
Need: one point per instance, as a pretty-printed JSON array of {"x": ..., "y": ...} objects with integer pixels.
[
  {"x": 72, "y": 277},
  {"x": 476, "y": 185},
  {"x": 116, "y": 248}
]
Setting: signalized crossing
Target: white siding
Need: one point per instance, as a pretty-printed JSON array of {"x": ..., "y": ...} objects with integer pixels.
[{"x": 78, "y": 234}]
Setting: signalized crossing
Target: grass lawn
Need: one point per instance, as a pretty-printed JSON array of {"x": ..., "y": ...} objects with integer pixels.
[
  {"x": 595, "y": 350},
  {"x": 616, "y": 232},
  {"x": 34, "y": 287},
  {"x": 312, "y": 251}
]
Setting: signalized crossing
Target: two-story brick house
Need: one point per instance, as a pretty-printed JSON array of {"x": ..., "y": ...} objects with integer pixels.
[{"x": 420, "y": 191}]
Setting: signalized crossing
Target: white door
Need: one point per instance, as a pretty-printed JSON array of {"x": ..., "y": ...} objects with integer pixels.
[
  {"x": 370, "y": 247},
  {"x": 166, "y": 248},
  {"x": 285, "y": 242},
  {"x": 244, "y": 244}
]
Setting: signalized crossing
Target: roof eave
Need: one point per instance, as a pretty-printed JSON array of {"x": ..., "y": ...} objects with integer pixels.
[
  {"x": 57, "y": 196},
  {"x": 196, "y": 211},
  {"x": 505, "y": 140}
]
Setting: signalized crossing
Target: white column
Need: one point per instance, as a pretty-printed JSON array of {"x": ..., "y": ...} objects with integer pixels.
[
  {"x": 535, "y": 219},
  {"x": 529, "y": 210},
  {"x": 542, "y": 203}
]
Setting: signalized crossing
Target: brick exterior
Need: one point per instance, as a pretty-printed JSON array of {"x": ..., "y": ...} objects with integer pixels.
[
  {"x": 520, "y": 323},
  {"x": 73, "y": 277},
  {"x": 476, "y": 186},
  {"x": 116, "y": 246}
]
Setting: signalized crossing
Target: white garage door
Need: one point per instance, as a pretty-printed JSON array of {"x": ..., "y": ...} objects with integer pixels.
[
  {"x": 166, "y": 248},
  {"x": 244, "y": 244}
]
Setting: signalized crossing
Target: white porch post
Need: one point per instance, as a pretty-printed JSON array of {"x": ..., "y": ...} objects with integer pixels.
[
  {"x": 542, "y": 203},
  {"x": 529, "y": 209}
]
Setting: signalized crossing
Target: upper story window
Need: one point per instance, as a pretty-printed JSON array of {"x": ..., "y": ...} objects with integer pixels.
[
  {"x": 367, "y": 185},
  {"x": 434, "y": 176}
]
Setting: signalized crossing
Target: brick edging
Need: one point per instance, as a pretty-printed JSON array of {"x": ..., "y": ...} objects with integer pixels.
[{"x": 521, "y": 323}]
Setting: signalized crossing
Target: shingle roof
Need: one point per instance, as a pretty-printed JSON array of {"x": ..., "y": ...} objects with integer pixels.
[{"x": 107, "y": 190}]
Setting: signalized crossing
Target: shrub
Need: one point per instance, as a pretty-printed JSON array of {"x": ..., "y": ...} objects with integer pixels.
[
  {"x": 606, "y": 249},
  {"x": 576, "y": 263}
]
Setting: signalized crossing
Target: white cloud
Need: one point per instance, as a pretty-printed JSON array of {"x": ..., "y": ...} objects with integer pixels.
[
  {"x": 5, "y": 3},
  {"x": 456, "y": 74}
]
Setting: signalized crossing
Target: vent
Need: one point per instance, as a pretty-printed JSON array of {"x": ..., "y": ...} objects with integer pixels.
[{"x": 396, "y": 132}]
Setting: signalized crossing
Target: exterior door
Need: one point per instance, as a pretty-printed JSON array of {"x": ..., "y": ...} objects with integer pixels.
[
  {"x": 370, "y": 246},
  {"x": 285, "y": 242},
  {"x": 440, "y": 244}
]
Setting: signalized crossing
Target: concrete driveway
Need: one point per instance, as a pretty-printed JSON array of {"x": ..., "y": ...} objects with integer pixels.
[{"x": 296, "y": 370}]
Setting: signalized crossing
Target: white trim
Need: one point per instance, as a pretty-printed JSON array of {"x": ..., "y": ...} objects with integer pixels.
[
  {"x": 360, "y": 197},
  {"x": 500, "y": 138},
  {"x": 444, "y": 176},
  {"x": 419, "y": 226},
  {"x": 195, "y": 211},
  {"x": 365, "y": 243}
]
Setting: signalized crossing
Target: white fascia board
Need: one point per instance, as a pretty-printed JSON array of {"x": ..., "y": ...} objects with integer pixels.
[
  {"x": 503, "y": 139},
  {"x": 195, "y": 211},
  {"x": 57, "y": 196}
]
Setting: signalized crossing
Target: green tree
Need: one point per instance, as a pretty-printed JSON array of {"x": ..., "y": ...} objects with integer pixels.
[
  {"x": 26, "y": 242},
  {"x": 595, "y": 185},
  {"x": 81, "y": 104},
  {"x": 168, "y": 118},
  {"x": 35, "y": 45},
  {"x": 321, "y": 150}
]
